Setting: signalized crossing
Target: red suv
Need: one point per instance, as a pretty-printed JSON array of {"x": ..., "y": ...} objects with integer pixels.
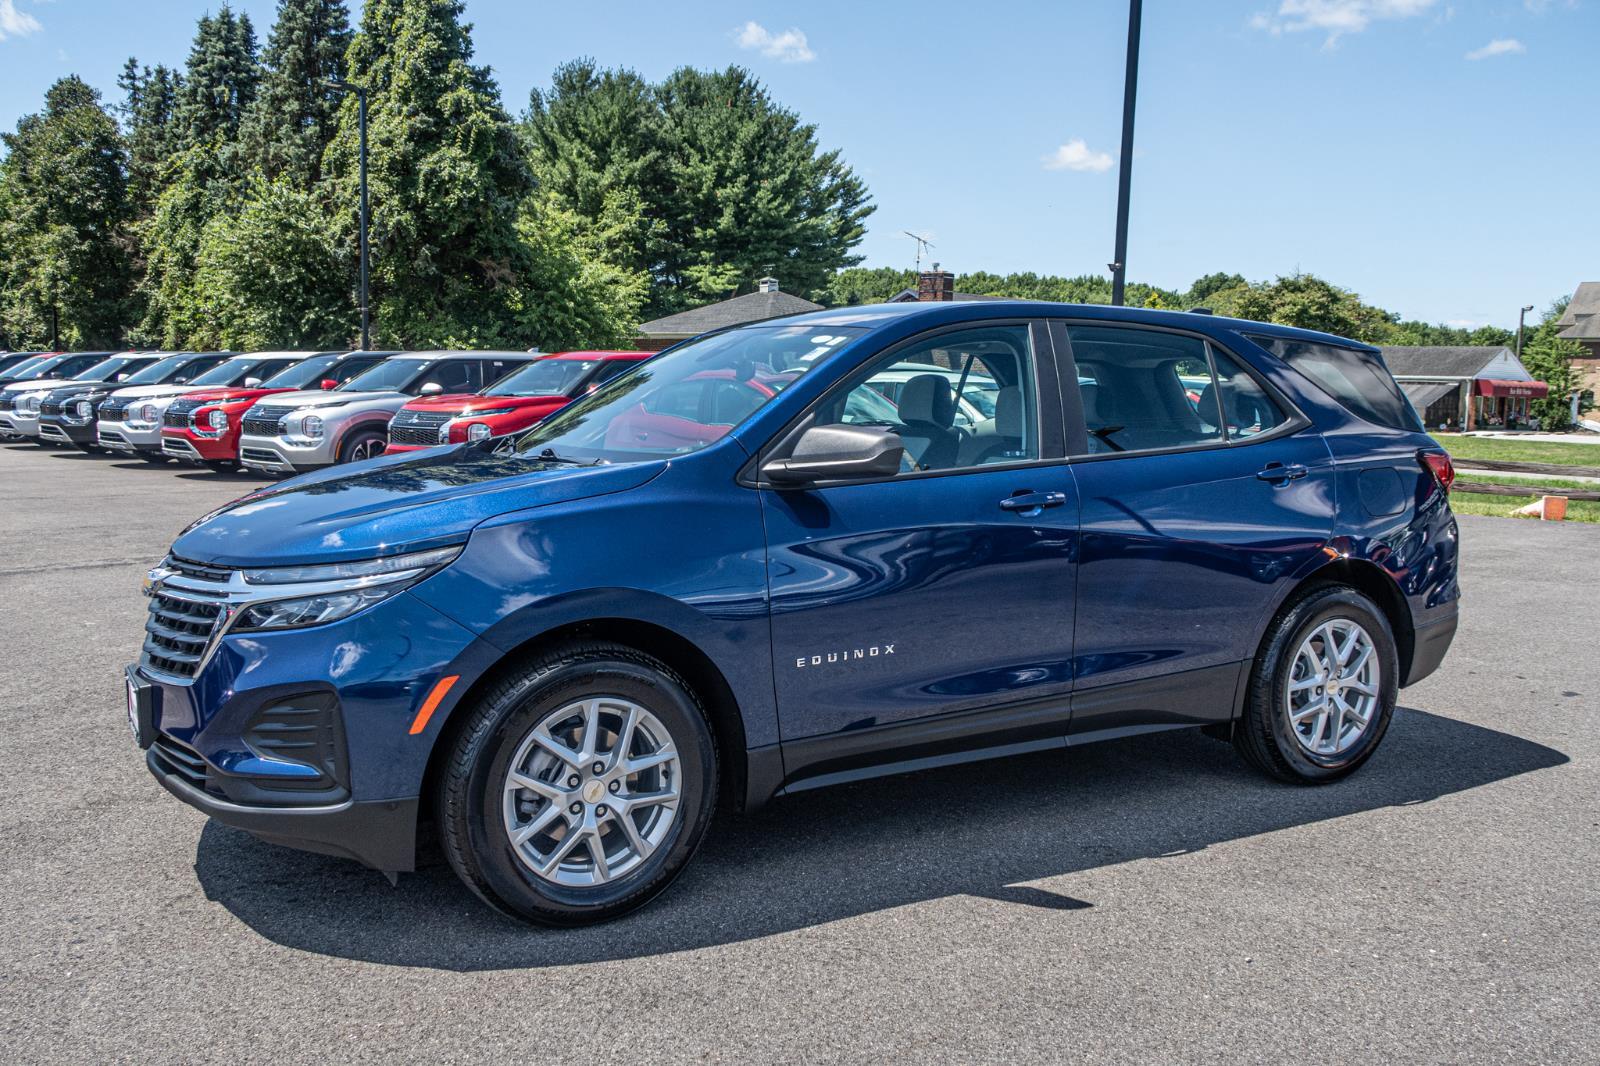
[
  {"x": 203, "y": 427},
  {"x": 513, "y": 403}
]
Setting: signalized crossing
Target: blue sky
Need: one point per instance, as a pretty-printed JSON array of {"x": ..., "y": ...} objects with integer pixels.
[{"x": 1439, "y": 158}]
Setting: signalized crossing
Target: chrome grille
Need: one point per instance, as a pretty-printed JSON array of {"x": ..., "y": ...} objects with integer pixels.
[
  {"x": 262, "y": 421},
  {"x": 8, "y": 402},
  {"x": 183, "y": 620},
  {"x": 417, "y": 427},
  {"x": 52, "y": 407}
]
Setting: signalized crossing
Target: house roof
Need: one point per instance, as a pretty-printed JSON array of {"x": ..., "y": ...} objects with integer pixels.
[
  {"x": 751, "y": 307},
  {"x": 910, "y": 295},
  {"x": 1585, "y": 301},
  {"x": 1440, "y": 360}
]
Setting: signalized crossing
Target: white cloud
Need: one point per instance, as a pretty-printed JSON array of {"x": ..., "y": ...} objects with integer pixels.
[
  {"x": 14, "y": 23},
  {"x": 790, "y": 46},
  {"x": 1500, "y": 46},
  {"x": 1335, "y": 17},
  {"x": 1075, "y": 155}
]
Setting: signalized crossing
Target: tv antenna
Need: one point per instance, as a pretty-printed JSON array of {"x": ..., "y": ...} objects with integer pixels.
[{"x": 923, "y": 244}]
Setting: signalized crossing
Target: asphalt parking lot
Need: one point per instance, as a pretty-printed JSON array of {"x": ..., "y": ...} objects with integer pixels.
[{"x": 1148, "y": 900}]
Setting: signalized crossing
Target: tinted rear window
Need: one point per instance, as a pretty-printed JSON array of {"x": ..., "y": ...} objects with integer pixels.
[{"x": 1357, "y": 379}]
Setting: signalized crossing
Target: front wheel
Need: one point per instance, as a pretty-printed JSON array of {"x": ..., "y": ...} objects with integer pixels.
[
  {"x": 362, "y": 444},
  {"x": 578, "y": 789},
  {"x": 1323, "y": 689}
]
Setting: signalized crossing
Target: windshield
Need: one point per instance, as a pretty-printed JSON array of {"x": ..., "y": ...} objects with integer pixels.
[
  {"x": 543, "y": 377},
  {"x": 22, "y": 369},
  {"x": 392, "y": 375},
  {"x": 110, "y": 368},
  {"x": 687, "y": 398},
  {"x": 233, "y": 371},
  {"x": 299, "y": 375},
  {"x": 43, "y": 369},
  {"x": 158, "y": 372}
]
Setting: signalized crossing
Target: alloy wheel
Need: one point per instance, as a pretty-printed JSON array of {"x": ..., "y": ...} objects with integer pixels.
[
  {"x": 592, "y": 792},
  {"x": 1331, "y": 693}
]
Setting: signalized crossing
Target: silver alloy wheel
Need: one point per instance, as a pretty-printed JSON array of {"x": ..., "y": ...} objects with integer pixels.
[
  {"x": 591, "y": 792},
  {"x": 1331, "y": 694},
  {"x": 366, "y": 449}
]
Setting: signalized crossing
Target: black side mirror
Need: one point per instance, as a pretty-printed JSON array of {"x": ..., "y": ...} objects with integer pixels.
[{"x": 839, "y": 452}]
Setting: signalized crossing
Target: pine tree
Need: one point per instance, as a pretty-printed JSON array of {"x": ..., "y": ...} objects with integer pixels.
[
  {"x": 148, "y": 109},
  {"x": 63, "y": 222},
  {"x": 220, "y": 79},
  {"x": 295, "y": 113},
  {"x": 446, "y": 178}
]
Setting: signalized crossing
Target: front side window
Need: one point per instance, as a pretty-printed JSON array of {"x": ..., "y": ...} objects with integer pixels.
[
  {"x": 114, "y": 369},
  {"x": 454, "y": 375},
  {"x": 1144, "y": 390},
  {"x": 685, "y": 399},
  {"x": 929, "y": 384},
  {"x": 233, "y": 371},
  {"x": 391, "y": 375}
]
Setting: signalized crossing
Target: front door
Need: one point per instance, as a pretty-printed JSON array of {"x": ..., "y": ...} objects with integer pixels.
[
  {"x": 925, "y": 610},
  {"x": 1202, "y": 494}
]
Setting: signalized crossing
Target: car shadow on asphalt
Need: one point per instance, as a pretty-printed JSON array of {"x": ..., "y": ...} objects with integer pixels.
[{"x": 983, "y": 829}]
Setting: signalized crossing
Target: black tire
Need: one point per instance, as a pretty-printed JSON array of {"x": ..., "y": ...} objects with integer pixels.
[
  {"x": 357, "y": 445},
  {"x": 1265, "y": 736},
  {"x": 469, "y": 801}
]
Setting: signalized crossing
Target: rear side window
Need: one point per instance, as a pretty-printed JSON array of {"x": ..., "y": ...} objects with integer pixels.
[
  {"x": 1246, "y": 407},
  {"x": 1144, "y": 390},
  {"x": 1357, "y": 379}
]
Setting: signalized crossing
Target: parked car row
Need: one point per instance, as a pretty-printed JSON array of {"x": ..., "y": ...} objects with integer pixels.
[{"x": 287, "y": 412}]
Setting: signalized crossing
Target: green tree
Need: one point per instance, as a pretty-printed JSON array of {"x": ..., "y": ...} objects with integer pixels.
[
  {"x": 268, "y": 276},
  {"x": 1306, "y": 301},
  {"x": 149, "y": 105},
  {"x": 295, "y": 113},
  {"x": 447, "y": 180},
  {"x": 63, "y": 223},
  {"x": 220, "y": 79},
  {"x": 866, "y": 285},
  {"x": 1548, "y": 357},
  {"x": 1204, "y": 287},
  {"x": 199, "y": 190},
  {"x": 571, "y": 294}
]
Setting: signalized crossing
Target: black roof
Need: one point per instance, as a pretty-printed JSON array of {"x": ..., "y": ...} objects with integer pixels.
[
  {"x": 1451, "y": 361},
  {"x": 752, "y": 307}
]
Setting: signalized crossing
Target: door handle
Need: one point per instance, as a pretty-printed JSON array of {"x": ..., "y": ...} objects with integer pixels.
[
  {"x": 1033, "y": 501},
  {"x": 1279, "y": 472}
]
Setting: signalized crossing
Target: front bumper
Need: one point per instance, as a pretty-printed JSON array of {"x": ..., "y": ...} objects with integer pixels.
[
  {"x": 285, "y": 455},
  {"x": 369, "y": 675},
  {"x": 193, "y": 448},
  {"x": 130, "y": 438},
  {"x": 58, "y": 429}
]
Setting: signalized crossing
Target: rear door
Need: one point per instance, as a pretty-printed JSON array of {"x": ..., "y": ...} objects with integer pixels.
[
  {"x": 930, "y": 611},
  {"x": 1202, "y": 491}
]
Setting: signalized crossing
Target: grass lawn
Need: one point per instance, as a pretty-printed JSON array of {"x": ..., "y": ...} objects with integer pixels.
[
  {"x": 1545, "y": 483},
  {"x": 1502, "y": 506},
  {"x": 1520, "y": 451}
]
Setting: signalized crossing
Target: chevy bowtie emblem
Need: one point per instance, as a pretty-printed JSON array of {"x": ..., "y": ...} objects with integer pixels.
[
  {"x": 843, "y": 655},
  {"x": 154, "y": 577}
]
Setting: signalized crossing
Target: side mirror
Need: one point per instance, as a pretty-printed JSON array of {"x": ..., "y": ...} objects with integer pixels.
[
  {"x": 432, "y": 388},
  {"x": 329, "y": 384},
  {"x": 839, "y": 452},
  {"x": 251, "y": 383}
]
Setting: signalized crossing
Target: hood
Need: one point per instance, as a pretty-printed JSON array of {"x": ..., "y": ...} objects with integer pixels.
[
  {"x": 39, "y": 385},
  {"x": 78, "y": 388},
  {"x": 144, "y": 392},
  {"x": 324, "y": 398},
  {"x": 466, "y": 403},
  {"x": 392, "y": 504},
  {"x": 221, "y": 394}
]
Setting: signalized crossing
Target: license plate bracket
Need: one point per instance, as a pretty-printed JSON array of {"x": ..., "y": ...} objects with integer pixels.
[{"x": 141, "y": 705}]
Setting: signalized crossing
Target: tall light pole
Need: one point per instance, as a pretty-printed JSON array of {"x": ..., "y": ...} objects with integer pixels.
[
  {"x": 361, "y": 123},
  {"x": 1119, "y": 265},
  {"x": 1521, "y": 315}
]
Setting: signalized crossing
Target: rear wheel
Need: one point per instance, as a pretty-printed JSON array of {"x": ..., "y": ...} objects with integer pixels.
[
  {"x": 578, "y": 789},
  {"x": 1323, "y": 689},
  {"x": 362, "y": 444}
]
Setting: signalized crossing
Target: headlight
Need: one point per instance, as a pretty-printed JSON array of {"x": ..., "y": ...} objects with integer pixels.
[
  {"x": 29, "y": 404},
  {"x": 341, "y": 589},
  {"x": 147, "y": 413},
  {"x": 218, "y": 420},
  {"x": 84, "y": 408},
  {"x": 478, "y": 431},
  {"x": 311, "y": 426}
]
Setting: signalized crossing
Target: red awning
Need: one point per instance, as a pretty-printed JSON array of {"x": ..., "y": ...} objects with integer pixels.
[{"x": 1494, "y": 387}]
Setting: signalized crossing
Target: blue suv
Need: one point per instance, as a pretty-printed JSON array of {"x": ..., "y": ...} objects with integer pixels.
[{"x": 742, "y": 570}]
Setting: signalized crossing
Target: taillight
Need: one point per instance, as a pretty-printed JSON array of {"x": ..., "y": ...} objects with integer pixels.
[{"x": 1443, "y": 470}]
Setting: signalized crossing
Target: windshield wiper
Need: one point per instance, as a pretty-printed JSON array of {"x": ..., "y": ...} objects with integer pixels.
[{"x": 549, "y": 455}]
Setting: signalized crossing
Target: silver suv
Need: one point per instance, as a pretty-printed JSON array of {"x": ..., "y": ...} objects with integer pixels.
[{"x": 296, "y": 431}]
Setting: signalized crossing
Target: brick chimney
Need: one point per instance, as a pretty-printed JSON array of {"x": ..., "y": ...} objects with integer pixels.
[
  {"x": 767, "y": 285},
  {"x": 936, "y": 286}
]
